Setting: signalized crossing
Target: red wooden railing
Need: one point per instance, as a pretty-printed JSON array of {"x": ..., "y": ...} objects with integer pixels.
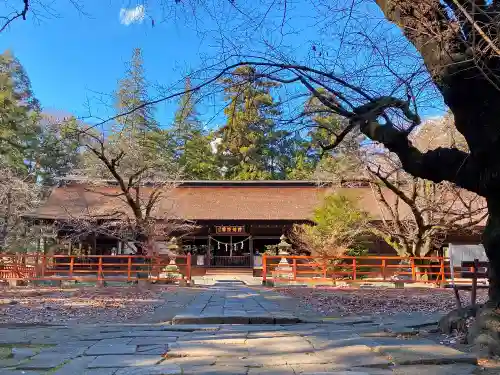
[
  {"x": 93, "y": 267},
  {"x": 296, "y": 268},
  {"x": 366, "y": 268}
]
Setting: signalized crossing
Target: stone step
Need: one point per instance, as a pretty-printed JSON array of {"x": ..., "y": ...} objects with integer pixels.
[
  {"x": 229, "y": 271},
  {"x": 234, "y": 319}
]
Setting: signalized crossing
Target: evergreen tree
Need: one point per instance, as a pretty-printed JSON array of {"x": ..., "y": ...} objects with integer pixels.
[
  {"x": 186, "y": 122},
  {"x": 138, "y": 130},
  {"x": 30, "y": 141},
  {"x": 250, "y": 131},
  {"x": 55, "y": 151},
  {"x": 132, "y": 93},
  {"x": 19, "y": 112},
  {"x": 190, "y": 142}
]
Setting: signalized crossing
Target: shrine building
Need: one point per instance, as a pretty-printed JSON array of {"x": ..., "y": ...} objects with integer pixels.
[{"x": 234, "y": 220}]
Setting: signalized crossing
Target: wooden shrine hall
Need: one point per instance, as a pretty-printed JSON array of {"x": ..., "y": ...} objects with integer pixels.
[{"x": 235, "y": 220}]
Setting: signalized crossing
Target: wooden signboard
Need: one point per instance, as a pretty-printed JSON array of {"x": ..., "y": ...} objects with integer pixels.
[{"x": 230, "y": 229}]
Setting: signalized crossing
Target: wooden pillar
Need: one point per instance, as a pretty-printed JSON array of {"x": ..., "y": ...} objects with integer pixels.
[
  {"x": 209, "y": 251},
  {"x": 250, "y": 247},
  {"x": 94, "y": 240}
]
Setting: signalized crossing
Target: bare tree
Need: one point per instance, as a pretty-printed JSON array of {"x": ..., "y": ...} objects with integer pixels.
[
  {"x": 21, "y": 13},
  {"x": 415, "y": 215},
  {"x": 456, "y": 46},
  {"x": 18, "y": 195},
  {"x": 115, "y": 216},
  {"x": 140, "y": 204}
]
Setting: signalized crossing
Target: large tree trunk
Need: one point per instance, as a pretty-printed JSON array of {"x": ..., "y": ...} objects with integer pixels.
[
  {"x": 491, "y": 243},
  {"x": 459, "y": 67},
  {"x": 485, "y": 332}
]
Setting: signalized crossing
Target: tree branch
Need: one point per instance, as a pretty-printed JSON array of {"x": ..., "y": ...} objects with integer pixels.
[{"x": 21, "y": 14}]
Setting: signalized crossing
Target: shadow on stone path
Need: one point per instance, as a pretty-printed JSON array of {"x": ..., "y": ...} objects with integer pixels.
[{"x": 354, "y": 346}]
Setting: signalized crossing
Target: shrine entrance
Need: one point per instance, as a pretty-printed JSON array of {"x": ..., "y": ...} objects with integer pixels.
[{"x": 230, "y": 251}]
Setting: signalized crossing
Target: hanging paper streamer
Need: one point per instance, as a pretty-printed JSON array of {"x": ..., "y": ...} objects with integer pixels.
[{"x": 234, "y": 245}]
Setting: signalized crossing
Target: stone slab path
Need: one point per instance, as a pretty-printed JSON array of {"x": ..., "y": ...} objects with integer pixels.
[
  {"x": 348, "y": 346},
  {"x": 235, "y": 303}
]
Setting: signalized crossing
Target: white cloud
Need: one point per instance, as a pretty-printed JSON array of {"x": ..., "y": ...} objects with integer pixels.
[{"x": 132, "y": 15}]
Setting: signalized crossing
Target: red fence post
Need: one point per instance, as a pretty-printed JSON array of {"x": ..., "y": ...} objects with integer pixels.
[
  {"x": 129, "y": 267},
  {"x": 99, "y": 269},
  {"x": 294, "y": 269},
  {"x": 71, "y": 266},
  {"x": 188, "y": 269},
  {"x": 383, "y": 269},
  {"x": 442, "y": 273},
  {"x": 474, "y": 282},
  {"x": 354, "y": 268},
  {"x": 413, "y": 271},
  {"x": 264, "y": 269}
]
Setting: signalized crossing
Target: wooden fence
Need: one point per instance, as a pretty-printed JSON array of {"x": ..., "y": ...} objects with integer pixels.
[
  {"x": 305, "y": 269},
  {"x": 366, "y": 268},
  {"x": 30, "y": 267}
]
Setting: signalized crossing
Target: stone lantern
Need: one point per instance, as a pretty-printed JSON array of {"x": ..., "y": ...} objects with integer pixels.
[
  {"x": 283, "y": 246},
  {"x": 171, "y": 271},
  {"x": 285, "y": 271},
  {"x": 173, "y": 249}
]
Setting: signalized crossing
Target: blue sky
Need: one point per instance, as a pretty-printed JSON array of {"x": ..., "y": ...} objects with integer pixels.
[{"x": 72, "y": 58}]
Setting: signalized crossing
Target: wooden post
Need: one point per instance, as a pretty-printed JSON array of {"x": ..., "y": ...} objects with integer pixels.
[
  {"x": 413, "y": 271},
  {"x": 44, "y": 264},
  {"x": 71, "y": 265},
  {"x": 354, "y": 268},
  {"x": 324, "y": 269},
  {"x": 188, "y": 269},
  {"x": 457, "y": 296},
  {"x": 250, "y": 248},
  {"x": 383, "y": 269},
  {"x": 99, "y": 269},
  {"x": 442, "y": 273},
  {"x": 474, "y": 282},
  {"x": 37, "y": 265},
  {"x": 294, "y": 269},
  {"x": 264, "y": 269},
  {"x": 129, "y": 267}
]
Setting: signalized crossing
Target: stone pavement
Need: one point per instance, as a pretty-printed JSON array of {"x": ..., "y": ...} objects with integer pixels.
[
  {"x": 235, "y": 303},
  {"x": 348, "y": 346}
]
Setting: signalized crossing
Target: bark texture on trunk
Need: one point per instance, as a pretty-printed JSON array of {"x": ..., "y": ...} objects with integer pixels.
[
  {"x": 465, "y": 69},
  {"x": 491, "y": 243}
]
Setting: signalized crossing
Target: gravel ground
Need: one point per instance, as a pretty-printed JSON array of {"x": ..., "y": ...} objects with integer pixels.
[
  {"x": 348, "y": 301},
  {"x": 78, "y": 305}
]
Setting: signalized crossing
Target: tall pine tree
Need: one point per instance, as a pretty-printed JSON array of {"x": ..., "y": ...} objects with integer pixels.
[
  {"x": 132, "y": 93},
  {"x": 191, "y": 143},
  {"x": 250, "y": 129},
  {"x": 19, "y": 112},
  {"x": 138, "y": 130},
  {"x": 31, "y": 142}
]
